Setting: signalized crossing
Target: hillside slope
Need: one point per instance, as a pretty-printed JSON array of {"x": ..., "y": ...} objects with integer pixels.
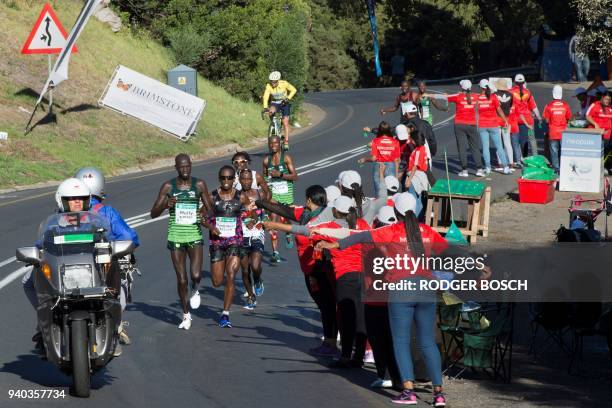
[{"x": 82, "y": 133}]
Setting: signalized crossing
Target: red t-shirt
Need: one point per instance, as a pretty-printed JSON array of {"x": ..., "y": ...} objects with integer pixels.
[
  {"x": 385, "y": 149},
  {"x": 524, "y": 105},
  {"x": 464, "y": 112},
  {"x": 418, "y": 157},
  {"x": 557, "y": 113},
  {"x": 349, "y": 259},
  {"x": 487, "y": 111},
  {"x": 513, "y": 120},
  {"x": 304, "y": 246},
  {"x": 602, "y": 116},
  {"x": 396, "y": 234}
]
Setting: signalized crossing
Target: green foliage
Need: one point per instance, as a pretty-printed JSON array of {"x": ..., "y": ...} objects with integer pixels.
[
  {"x": 595, "y": 27},
  {"x": 188, "y": 45}
]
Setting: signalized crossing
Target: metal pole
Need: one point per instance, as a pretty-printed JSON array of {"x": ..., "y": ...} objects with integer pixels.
[{"x": 51, "y": 90}]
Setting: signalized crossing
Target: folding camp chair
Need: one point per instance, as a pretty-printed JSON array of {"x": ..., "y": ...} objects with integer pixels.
[
  {"x": 554, "y": 320},
  {"x": 584, "y": 323},
  {"x": 490, "y": 349},
  {"x": 589, "y": 215}
]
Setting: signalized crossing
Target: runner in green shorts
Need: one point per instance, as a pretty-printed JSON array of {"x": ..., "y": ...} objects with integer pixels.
[
  {"x": 280, "y": 174},
  {"x": 182, "y": 196}
]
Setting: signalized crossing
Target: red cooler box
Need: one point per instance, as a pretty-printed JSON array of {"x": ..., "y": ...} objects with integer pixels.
[{"x": 536, "y": 191}]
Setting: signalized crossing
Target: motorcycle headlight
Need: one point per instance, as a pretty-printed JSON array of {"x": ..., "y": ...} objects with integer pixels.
[{"x": 77, "y": 276}]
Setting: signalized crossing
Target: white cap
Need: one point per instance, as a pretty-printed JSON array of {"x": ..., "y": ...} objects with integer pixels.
[
  {"x": 386, "y": 215},
  {"x": 332, "y": 193},
  {"x": 405, "y": 202},
  {"x": 410, "y": 108},
  {"x": 483, "y": 83},
  {"x": 519, "y": 78},
  {"x": 465, "y": 84},
  {"x": 394, "y": 196},
  {"x": 348, "y": 178},
  {"x": 579, "y": 90},
  {"x": 401, "y": 131},
  {"x": 342, "y": 204},
  {"x": 392, "y": 183},
  {"x": 557, "y": 92}
]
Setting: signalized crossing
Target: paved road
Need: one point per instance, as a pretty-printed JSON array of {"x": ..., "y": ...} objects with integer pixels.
[{"x": 263, "y": 360}]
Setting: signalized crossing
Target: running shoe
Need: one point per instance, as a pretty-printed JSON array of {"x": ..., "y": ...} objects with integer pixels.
[
  {"x": 123, "y": 336},
  {"x": 259, "y": 288},
  {"x": 480, "y": 173},
  {"x": 195, "y": 300},
  {"x": 508, "y": 170},
  {"x": 381, "y": 383},
  {"x": 225, "y": 321},
  {"x": 487, "y": 171},
  {"x": 324, "y": 350},
  {"x": 439, "y": 400},
  {"x": 186, "y": 323},
  {"x": 118, "y": 350},
  {"x": 407, "y": 397},
  {"x": 245, "y": 294},
  {"x": 250, "y": 304},
  {"x": 463, "y": 173},
  {"x": 368, "y": 357},
  {"x": 275, "y": 257},
  {"x": 289, "y": 241}
]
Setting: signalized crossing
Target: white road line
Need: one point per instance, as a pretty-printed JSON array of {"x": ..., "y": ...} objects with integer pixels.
[
  {"x": 14, "y": 275},
  {"x": 8, "y": 261},
  {"x": 142, "y": 219}
]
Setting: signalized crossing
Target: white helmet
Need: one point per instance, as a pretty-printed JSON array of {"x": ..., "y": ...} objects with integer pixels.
[
  {"x": 94, "y": 180},
  {"x": 274, "y": 76},
  {"x": 72, "y": 187}
]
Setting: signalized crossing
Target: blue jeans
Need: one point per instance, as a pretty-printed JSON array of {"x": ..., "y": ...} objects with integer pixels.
[
  {"x": 554, "y": 153},
  {"x": 495, "y": 135},
  {"x": 401, "y": 316},
  {"x": 583, "y": 65},
  {"x": 524, "y": 138},
  {"x": 516, "y": 147},
  {"x": 389, "y": 171}
]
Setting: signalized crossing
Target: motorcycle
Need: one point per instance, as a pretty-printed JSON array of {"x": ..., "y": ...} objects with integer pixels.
[{"x": 77, "y": 279}]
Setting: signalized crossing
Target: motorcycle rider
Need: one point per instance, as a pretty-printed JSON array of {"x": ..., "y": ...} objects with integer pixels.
[{"x": 119, "y": 230}]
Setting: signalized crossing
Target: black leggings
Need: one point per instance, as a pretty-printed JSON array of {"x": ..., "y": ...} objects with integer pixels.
[
  {"x": 352, "y": 320},
  {"x": 321, "y": 291},
  {"x": 379, "y": 335}
]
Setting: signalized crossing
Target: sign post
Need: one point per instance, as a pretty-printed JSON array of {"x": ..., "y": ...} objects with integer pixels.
[{"x": 581, "y": 167}]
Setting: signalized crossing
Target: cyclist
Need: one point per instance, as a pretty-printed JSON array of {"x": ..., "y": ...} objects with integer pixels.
[
  {"x": 278, "y": 93},
  {"x": 94, "y": 179},
  {"x": 281, "y": 174}
]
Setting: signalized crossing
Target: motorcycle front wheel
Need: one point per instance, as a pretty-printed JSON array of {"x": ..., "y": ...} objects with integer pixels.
[{"x": 80, "y": 358}]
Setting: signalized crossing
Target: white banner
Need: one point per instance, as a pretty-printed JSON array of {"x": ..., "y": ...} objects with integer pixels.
[{"x": 153, "y": 102}]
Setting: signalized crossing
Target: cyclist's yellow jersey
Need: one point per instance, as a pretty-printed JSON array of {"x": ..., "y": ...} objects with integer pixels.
[{"x": 283, "y": 90}]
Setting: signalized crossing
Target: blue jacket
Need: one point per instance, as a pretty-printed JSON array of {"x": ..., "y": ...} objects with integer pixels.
[{"x": 119, "y": 228}]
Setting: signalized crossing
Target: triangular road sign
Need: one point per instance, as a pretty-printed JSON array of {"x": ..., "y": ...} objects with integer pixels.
[{"x": 48, "y": 36}]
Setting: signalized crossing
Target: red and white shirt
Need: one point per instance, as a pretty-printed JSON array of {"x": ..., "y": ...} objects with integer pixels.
[
  {"x": 464, "y": 111},
  {"x": 524, "y": 105},
  {"x": 418, "y": 158},
  {"x": 602, "y": 115},
  {"x": 557, "y": 113},
  {"x": 487, "y": 111},
  {"x": 385, "y": 149}
]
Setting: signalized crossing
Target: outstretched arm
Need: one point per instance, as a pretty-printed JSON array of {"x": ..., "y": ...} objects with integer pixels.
[{"x": 163, "y": 201}]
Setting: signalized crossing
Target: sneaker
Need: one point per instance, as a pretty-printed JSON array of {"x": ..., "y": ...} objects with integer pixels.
[
  {"x": 480, "y": 173},
  {"x": 380, "y": 383},
  {"x": 124, "y": 338},
  {"x": 225, "y": 321},
  {"x": 250, "y": 304},
  {"x": 118, "y": 350},
  {"x": 245, "y": 295},
  {"x": 289, "y": 241},
  {"x": 518, "y": 165},
  {"x": 259, "y": 288},
  {"x": 407, "y": 397},
  {"x": 507, "y": 170},
  {"x": 368, "y": 357},
  {"x": 439, "y": 400},
  {"x": 463, "y": 173},
  {"x": 324, "y": 350},
  {"x": 499, "y": 169},
  {"x": 195, "y": 300},
  {"x": 186, "y": 323},
  {"x": 486, "y": 172},
  {"x": 275, "y": 257}
]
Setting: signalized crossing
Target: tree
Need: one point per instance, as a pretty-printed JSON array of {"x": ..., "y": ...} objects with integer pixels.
[{"x": 594, "y": 27}]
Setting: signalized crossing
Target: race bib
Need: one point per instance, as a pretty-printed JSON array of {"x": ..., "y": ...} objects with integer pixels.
[
  {"x": 404, "y": 107},
  {"x": 226, "y": 226},
  {"x": 279, "y": 187},
  {"x": 186, "y": 214},
  {"x": 250, "y": 233},
  {"x": 425, "y": 112}
]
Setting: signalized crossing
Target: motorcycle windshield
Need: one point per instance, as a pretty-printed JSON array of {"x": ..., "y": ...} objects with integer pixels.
[{"x": 72, "y": 233}]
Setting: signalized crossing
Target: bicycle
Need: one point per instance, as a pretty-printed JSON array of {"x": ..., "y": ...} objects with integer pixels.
[{"x": 275, "y": 128}]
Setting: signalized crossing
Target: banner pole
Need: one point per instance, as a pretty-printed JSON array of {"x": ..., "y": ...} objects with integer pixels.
[{"x": 51, "y": 90}]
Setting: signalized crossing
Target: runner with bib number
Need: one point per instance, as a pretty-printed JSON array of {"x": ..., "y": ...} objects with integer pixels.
[
  {"x": 280, "y": 173},
  {"x": 226, "y": 235}
]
